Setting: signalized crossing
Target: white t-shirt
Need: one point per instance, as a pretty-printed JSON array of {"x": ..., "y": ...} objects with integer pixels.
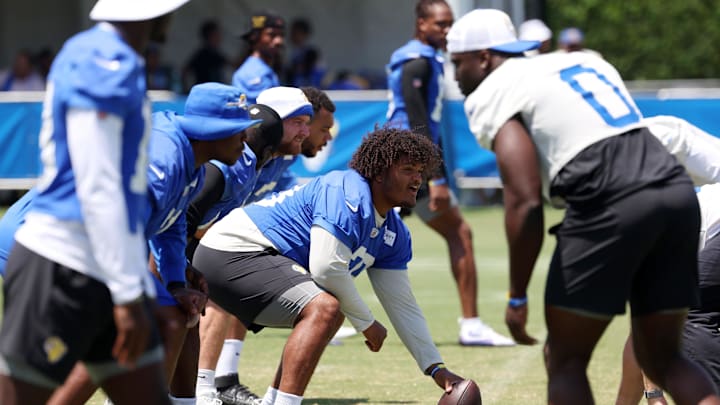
[
  {"x": 568, "y": 101},
  {"x": 709, "y": 197},
  {"x": 694, "y": 148}
]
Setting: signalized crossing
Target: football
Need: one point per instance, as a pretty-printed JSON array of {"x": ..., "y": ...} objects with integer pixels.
[{"x": 465, "y": 392}]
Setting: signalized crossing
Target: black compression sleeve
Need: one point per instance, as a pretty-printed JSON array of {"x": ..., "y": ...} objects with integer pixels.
[
  {"x": 212, "y": 191},
  {"x": 415, "y": 76}
]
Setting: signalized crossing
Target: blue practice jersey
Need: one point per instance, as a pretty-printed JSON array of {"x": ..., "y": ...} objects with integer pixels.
[
  {"x": 108, "y": 78},
  {"x": 273, "y": 177},
  {"x": 10, "y": 222},
  {"x": 397, "y": 113},
  {"x": 239, "y": 179},
  {"x": 341, "y": 203},
  {"x": 254, "y": 76},
  {"x": 173, "y": 183}
]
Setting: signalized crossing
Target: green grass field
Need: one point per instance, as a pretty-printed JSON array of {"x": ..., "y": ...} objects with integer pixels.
[{"x": 350, "y": 374}]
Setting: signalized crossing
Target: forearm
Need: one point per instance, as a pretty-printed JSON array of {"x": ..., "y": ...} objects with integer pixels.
[
  {"x": 524, "y": 230},
  {"x": 168, "y": 249},
  {"x": 209, "y": 195},
  {"x": 392, "y": 287}
]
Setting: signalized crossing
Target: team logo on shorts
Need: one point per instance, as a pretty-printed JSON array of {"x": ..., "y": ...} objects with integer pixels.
[
  {"x": 55, "y": 349},
  {"x": 300, "y": 269}
]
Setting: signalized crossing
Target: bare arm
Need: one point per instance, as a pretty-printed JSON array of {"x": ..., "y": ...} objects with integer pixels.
[{"x": 519, "y": 169}]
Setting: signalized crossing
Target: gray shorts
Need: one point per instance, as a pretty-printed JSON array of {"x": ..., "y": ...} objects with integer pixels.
[
  {"x": 422, "y": 207},
  {"x": 259, "y": 288}
]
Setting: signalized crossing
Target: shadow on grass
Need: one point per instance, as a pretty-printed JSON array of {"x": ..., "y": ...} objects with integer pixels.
[{"x": 349, "y": 401}]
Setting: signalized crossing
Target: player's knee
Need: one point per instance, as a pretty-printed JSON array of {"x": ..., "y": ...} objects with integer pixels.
[
  {"x": 465, "y": 231},
  {"x": 171, "y": 321},
  {"x": 324, "y": 308}
]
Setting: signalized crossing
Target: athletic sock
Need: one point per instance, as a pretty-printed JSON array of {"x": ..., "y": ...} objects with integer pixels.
[
  {"x": 205, "y": 381},
  {"x": 283, "y": 398},
  {"x": 269, "y": 397},
  {"x": 229, "y": 357}
]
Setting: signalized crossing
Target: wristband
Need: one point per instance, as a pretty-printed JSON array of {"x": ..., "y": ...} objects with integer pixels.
[
  {"x": 175, "y": 284},
  {"x": 517, "y": 302},
  {"x": 655, "y": 393},
  {"x": 435, "y": 369},
  {"x": 437, "y": 182}
]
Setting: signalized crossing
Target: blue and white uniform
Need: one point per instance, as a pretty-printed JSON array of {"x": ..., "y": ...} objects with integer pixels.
[
  {"x": 239, "y": 180},
  {"x": 254, "y": 76},
  {"x": 275, "y": 176},
  {"x": 331, "y": 228},
  {"x": 88, "y": 214},
  {"x": 173, "y": 183},
  {"x": 397, "y": 109},
  {"x": 10, "y": 222}
]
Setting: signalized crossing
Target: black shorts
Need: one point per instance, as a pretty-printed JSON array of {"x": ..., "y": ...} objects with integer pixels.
[
  {"x": 246, "y": 283},
  {"x": 701, "y": 343},
  {"x": 642, "y": 248},
  {"x": 55, "y": 316}
]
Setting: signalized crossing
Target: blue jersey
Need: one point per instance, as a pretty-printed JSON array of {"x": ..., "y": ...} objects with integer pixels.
[
  {"x": 274, "y": 176},
  {"x": 10, "y": 222},
  {"x": 254, "y": 76},
  {"x": 92, "y": 194},
  {"x": 95, "y": 70},
  {"x": 397, "y": 113},
  {"x": 239, "y": 179},
  {"x": 173, "y": 183},
  {"x": 341, "y": 203}
]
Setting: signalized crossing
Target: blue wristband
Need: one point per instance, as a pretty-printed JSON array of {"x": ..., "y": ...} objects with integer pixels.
[
  {"x": 438, "y": 182},
  {"x": 435, "y": 369},
  {"x": 517, "y": 302}
]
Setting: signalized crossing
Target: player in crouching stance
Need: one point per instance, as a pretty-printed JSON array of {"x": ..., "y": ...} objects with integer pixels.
[{"x": 289, "y": 261}]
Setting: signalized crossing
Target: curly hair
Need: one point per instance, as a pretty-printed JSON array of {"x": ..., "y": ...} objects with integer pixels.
[{"x": 386, "y": 145}]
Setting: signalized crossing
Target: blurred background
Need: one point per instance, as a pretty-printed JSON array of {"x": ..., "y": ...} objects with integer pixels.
[{"x": 667, "y": 51}]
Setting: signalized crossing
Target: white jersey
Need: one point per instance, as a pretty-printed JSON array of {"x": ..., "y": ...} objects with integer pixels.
[
  {"x": 567, "y": 101},
  {"x": 694, "y": 148},
  {"x": 709, "y": 198}
]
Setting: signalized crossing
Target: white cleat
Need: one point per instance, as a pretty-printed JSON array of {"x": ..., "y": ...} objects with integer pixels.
[
  {"x": 473, "y": 332},
  {"x": 208, "y": 398},
  {"x": 342, "y": 333}
]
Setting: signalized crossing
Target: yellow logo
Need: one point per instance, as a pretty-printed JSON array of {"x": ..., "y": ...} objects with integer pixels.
[
  {"x": 258, "y": 21},
  {"x": 240, "y": 103},
  {"x": 299, "y": 268},
  {"x": 55, "y": 349}
]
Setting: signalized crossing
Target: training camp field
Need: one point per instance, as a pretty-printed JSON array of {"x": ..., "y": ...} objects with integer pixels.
[{"x": 351, "y": 374}]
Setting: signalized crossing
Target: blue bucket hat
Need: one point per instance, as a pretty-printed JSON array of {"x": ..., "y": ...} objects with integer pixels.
[{"x": 215, "y": 111}]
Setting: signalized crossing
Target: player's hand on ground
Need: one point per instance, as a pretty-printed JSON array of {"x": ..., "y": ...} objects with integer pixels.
[
  {"x": 439, "y": 198},
  {"x": 446, "y": 379},
  {"x": 133, "y": 330},
  {"x": 516, "y": 320},
  {"x": 192, "y": 302},
  {"x": 375, "y": 336}
]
